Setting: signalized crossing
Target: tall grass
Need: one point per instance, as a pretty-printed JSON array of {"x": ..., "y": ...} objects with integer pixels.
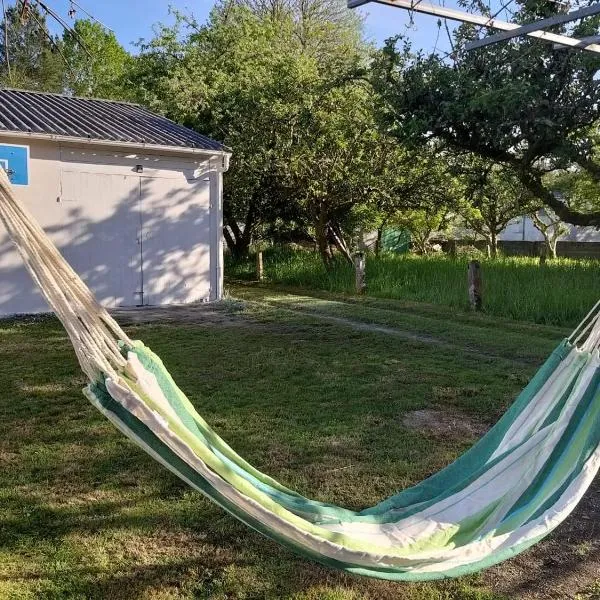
[{"x": 558, "y": 293}]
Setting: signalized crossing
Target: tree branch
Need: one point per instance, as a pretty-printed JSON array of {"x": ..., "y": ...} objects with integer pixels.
[{"x": 566, "y": 214}]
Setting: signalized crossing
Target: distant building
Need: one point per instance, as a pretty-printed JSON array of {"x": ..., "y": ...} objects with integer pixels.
[{"x": 522, "y": 229}]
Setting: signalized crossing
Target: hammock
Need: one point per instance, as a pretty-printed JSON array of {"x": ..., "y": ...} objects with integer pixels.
[{"x": 509, "y": 491}]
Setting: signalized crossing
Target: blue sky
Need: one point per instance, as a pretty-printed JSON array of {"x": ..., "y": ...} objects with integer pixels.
[{"x": 133, "y": 19}]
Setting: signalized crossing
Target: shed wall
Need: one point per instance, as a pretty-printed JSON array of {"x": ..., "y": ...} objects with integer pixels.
[{"x": 135, "y": 238}]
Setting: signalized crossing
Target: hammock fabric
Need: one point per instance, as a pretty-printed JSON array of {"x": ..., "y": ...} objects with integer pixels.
[{"x": 510, "y": 490}]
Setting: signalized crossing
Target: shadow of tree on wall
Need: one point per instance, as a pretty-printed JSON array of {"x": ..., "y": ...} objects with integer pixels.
[{"x": 167, "y": 247}]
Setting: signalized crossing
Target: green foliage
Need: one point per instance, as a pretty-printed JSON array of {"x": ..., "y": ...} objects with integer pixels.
[
  {"x": 88, "y": 62},
  {"x": 521, "y": 103},
  {"x": 99, "y": 68},
  {"x": 578, "y": 188},
  {"x": 235, "y": 80},
  {"x": 419, "y": 195},
  {"x": 280, "y": 83},
  {"x": 32, "y": 59},
  {"x": 320, "y": 151},
  {"x": 422, "y": 224}
]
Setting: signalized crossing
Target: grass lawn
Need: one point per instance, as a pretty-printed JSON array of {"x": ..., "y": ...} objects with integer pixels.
[
  {"x": 558, "y": 293},
  {"x": 320, "y": 391}
]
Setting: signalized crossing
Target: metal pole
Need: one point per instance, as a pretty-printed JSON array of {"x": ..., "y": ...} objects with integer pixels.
[
  {"x": 587, "y": 11},
  {"x": 465, "y": 17}
]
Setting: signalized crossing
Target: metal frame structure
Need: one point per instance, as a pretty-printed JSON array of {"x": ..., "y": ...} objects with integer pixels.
[
  {"x": 581, "y": 13},
  {"x": 513, "y": 29}
]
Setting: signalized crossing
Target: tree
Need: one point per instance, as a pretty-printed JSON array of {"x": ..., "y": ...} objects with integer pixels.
[
  {"x": 551, "y": 227},
  {"x": 422, "y": 224},
  {"x": 576, "y": 188},
  {"x": 99, "y": 67},
  {"x": 232, "y": 79},
  {"x": 343, "y": 169},
  {"x": 521, "y": 103},
  {"x": 32, "y": 58},
  {"x": 421, "y": 191},
  {"x": 494, "y": 196},
  {"x": 320, "y": 26},
  {"x": 285, "y": 95}
]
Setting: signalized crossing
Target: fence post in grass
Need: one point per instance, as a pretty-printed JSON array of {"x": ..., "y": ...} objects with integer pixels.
[
  {"x": 475, "y": 287},
  {"x": 359, "y": 268},
  {"x": 260, "y": 271}
]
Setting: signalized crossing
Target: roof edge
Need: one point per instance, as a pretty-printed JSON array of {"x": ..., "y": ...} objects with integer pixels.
[{"x": 51, "y": 137}]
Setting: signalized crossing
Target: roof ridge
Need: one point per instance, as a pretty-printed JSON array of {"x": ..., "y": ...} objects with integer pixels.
[
  {"x": 84, "y": 98},
  {"x": 49, "y": 113}
]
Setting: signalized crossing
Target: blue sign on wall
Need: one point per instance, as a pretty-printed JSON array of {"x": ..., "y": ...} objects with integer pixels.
[{"x": 15, "y": 161}]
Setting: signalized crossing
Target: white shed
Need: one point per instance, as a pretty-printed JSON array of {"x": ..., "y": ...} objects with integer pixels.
[{"x": 133, "y": 200}]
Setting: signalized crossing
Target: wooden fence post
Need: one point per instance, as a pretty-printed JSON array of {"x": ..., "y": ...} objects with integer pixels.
[
  {"x": 359, "y": 268},
  {"x": 475, "y": 287},
  {"x": 260, "y": 271}
]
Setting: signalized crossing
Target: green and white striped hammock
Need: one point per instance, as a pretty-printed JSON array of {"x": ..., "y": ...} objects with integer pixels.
[{"x": 509, "y": 491}]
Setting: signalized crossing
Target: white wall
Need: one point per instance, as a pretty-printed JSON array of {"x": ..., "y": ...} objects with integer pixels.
[
  {"x": 523, "y": 229},
  {"x": 156, "y": 232}
]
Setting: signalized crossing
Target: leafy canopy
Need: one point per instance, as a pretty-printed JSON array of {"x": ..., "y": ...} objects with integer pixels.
[
  {"x": 521, "y": 103},
  {"x": 99, "y": 68},
  {"x": 32, "y": 58}
]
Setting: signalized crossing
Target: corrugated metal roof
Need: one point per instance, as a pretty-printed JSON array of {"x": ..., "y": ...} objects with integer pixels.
[{"x": 88, "y": 119}]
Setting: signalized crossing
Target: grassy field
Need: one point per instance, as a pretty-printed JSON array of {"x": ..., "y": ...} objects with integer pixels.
[
  {"x": 320, "y": 391},
  {"x": 558, "y": 293}
]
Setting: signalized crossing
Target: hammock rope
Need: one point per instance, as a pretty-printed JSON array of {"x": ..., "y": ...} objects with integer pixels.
[
  {"x": 92, "y": 331},
  {"x": 518, "y": 483}
]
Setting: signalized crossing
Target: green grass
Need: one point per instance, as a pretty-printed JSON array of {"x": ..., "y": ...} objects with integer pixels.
[
  {"x": 558, "y": 293},
  {"x": 319, "y": 405}
]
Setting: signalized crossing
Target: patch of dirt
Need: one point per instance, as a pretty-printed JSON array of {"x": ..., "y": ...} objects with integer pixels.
[
  {"x": 8, "y": 458},
  {"x": 564, "y": 566},
  {"x": 441, "y": 423}
]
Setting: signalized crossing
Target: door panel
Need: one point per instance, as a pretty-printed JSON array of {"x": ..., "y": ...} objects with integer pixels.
[
  {"x": 104, "y": 240},
  {"x": 176, "y": 239}
]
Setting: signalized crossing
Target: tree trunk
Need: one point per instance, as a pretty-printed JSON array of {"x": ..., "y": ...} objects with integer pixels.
[
  {"x": 534, "y": 184},
  {"x": 241, "y": 247},
  {"x": 237, "y": 240},
  {"x": 543, "y": 251},
  {"x": 452, "y": 248},
  {"x": 321, "y": 238},
  {"x": 494, "y": 244},
  {"x": 340, "y": 243},
  {"x": 240, "y": 240},
  {"x": 228, "y": 238},
  {"x": 379, "y": 240},
  {"x": 552, "y": 248},
  {"x": 422, "y": 247}
]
